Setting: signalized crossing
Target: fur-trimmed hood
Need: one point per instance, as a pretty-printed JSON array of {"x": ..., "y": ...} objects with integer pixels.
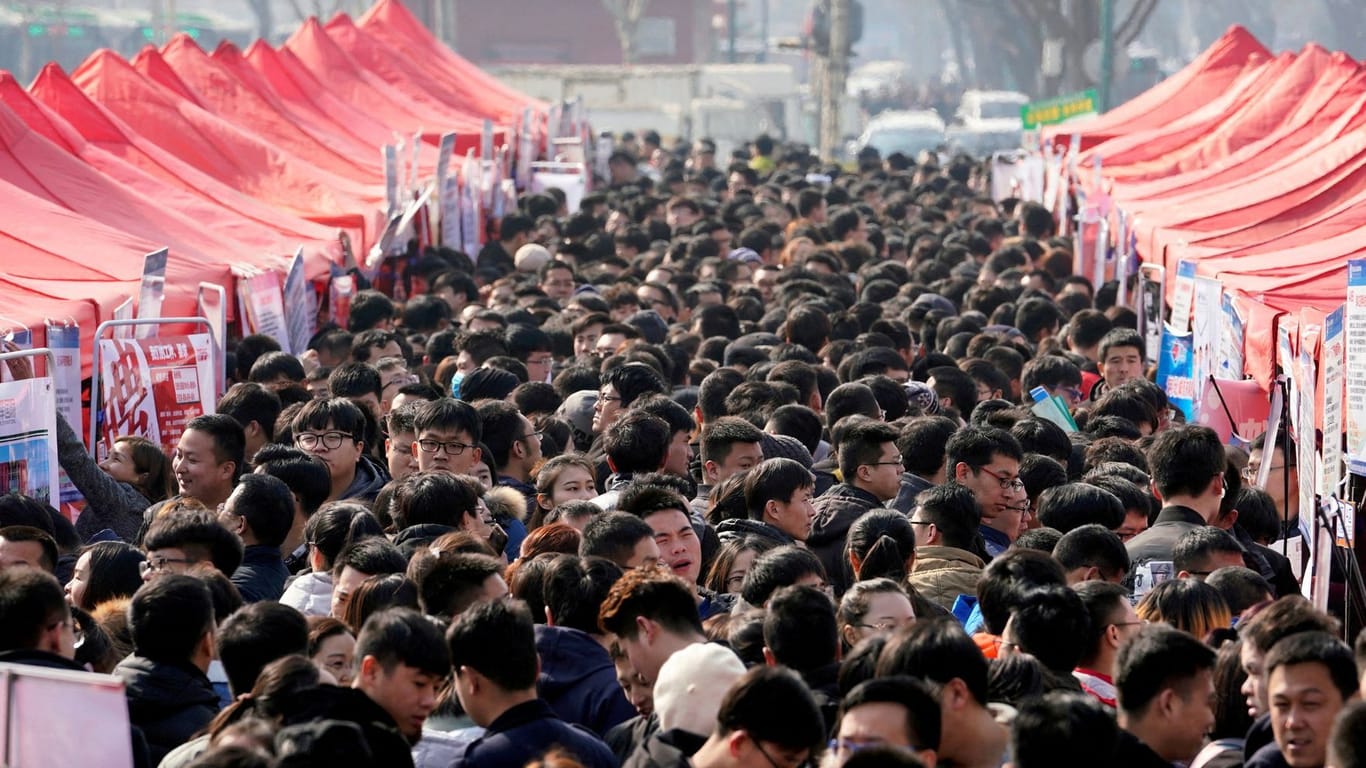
[{"x": 506, "y": 502}]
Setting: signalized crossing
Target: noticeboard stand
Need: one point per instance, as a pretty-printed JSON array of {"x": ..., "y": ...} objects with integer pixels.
[{"x": 95, "y": 403}]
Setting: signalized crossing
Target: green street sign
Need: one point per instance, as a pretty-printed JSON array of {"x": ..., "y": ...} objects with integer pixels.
[{"x": 1059, "y": 110}]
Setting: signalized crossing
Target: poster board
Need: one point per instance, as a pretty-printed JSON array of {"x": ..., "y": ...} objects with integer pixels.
[
  {"x": 1206, "y": 313},
  {"x": 1183, "y": 296},
  {"x": 152, "y": 292},
  {"x": 153, "y": 387},
  {"x": 64, "y": 339},
  {"x": 28, "y": 439},
  {"x": 263, "y": 305},
  {"x": 1174, "y": 374},
  {"x": 1152, "y": 288},
  {"x": 571, "y": 178},
  {"x": 1354, "y": 328},
  {"x": 1330, "y": 376},
  {"x": 301, "y": 312},
  {"x": 89, "y": 710}
]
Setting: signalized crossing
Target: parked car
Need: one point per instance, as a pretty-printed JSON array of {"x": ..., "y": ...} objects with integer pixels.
[
  {"x": 908, "y": 132},
  {"x": 988, "y": 121}
]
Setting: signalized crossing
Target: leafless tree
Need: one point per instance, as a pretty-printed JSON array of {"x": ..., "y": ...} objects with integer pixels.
[{"x": 626, "y": 15}]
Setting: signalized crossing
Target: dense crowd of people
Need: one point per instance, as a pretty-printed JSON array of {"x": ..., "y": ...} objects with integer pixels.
[{"x": 751, "y": 462}]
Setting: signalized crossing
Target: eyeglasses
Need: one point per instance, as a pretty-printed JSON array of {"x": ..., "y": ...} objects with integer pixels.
[
  {"x": 893, "y": 463},
  {"x": 846, "y": 745},
  {"x": 881, "y": 626},
  {"x": 330, "y": 440},
  {"x": 606, "y": 399},
  {"x": 451, "y": 447},
  {"x": 537, "y": 434},
  {"x": 1007, "y": 483},
  {"x": 774, "y": 763},
  {"x": 920, "y": 522},
  {"x": 159, "y": 564},
  {"x": 1074, "y": 394},
  {"x": 541, "y": 361},
  {"x": 1250, "y": 471}
]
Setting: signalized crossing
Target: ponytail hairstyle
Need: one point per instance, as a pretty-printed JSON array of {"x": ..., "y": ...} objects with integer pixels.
[
  {"x": 273, "y": 695},
  {"x": 881, "y": 544}
]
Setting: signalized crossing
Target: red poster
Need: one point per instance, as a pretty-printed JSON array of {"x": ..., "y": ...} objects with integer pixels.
[{"x": 154, "y": 387}]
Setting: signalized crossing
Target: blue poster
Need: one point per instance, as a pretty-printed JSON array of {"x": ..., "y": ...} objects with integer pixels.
[{"x": 1175, "y": 374}]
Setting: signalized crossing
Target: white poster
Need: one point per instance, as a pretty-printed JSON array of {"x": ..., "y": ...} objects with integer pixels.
[
  {"x": 1183, "y": 296},
  {"x": 1355, "y": 352},
  {"x": 1207, "y": 311},
  {"x": 65, "y": 342},
  {"x": 571, "y": 178},
  {"x": 91, "y": 708},
  {"x": 300, "y": 311},
  {"x": 28, "y": 439},
  {"x": 124, "y": 311},
  {"x": 526, "y": 149},
  {"x": 152, "y": 292},
  {"x": 390, "y": 155},
  {"x": 265, "y": 306},
  {"x": 1230, "y": 365},
  {"x": 1331, "y": 359},
  {"x": 213, "y": 307}
]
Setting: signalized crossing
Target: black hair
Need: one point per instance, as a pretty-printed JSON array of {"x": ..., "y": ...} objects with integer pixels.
[
  {"x": 115, "y": 572},
  {"x": 1347, "y": 744},
  {"x": 779, "y": 567},
  {"x": 442, "y": 498},
  {"x": 1061, "y": 729},
  {"x": 1039, "y": 539},
  {"x": 305, "y": 474},
  {"x": 1103, "y": 600},
  {"x": 1155, "y": 658},
  {"x": 1257, "y": 514},
  {"x": 676, "y": 416},
  {"x": 449, "y": 415},
  {"x": 883, "y": 540},
  {"x": 711, "y": 393},
  {"x": 721, "y": 434},
  {"x": 774, "y": 480},
  {"x": 267, "y": 505},
  {"x": 1007, "y": 581},
  {"x": 1240, "y": 587},
  {"x": 978, "y": 446},
  {"x": 339, "y": 412},
  {"x": 938, "y": 651},
  {"x": 29, "y": 601},
  {"x": 1050, "y": 372},
  {"x": 800, "y": 628},
  {"x": 638, "y": 442},
  {"x": 798, "y": 422},
  {"x": 229, "y": 440},
  {"x": 403, "y": 636},
  {"x": 923, "y": 713},
  {"x": 355, "y": 379},
  {"x": 454, "y": 581},
  {"x": 169, "y": 616},
  {"x": 1185, "y": 460},
  {"x": 1127, "y": 404},
  {"x": 1052, "y": 625},
  {"x": 43, "y": 539},
  {"x": 1120, "y": 337},
  {"x": 862, "y": 444},
  {"x": 1070, "y": 506},
  {"x": 922, "y": 443},
  {"x": 188, "y": 527},
  {"x": 772, "y": 705},
  {"x": 614, "y": 536},
  {"x": 369, "y": 308},
  {"x": 256, "y": 635},
  {"x": 954, "y": 510},
  {"x": 632, "y": 380},
  {"x": 372, "y": 556},
  {"x": 1042, "y": 436},
  {"x": 1316, "y": 647},
  {"x": 498, "y": 641},
  {"x": 575, "y": 588},
  {"x": 338, "y": 524},
  {"x": 246, "y": 402},
  {"x": 1093, "y": 546},
  {"x": 1192, "y": 551},
  {"x": 272, "y": 365}
]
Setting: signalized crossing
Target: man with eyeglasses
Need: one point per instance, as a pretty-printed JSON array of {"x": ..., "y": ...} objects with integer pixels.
[
  {"x": 334, "y": 431},
  {"x": 448, "y": 436},
  {"x": 1113, "y": 621},
  {"x": 986, "y": 461},
  {"x": 897, "y": 712},
  {"x": 871, "y": 467}
]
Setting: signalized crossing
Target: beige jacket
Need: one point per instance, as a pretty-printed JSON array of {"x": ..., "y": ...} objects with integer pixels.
[{"x": 941, "y": 574}]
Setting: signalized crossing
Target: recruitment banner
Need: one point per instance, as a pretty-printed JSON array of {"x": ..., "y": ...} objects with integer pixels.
[
  {"x": 1330, "y": 375},
  {"x": 28, "y": 439},
  {"x": 1174, "y": 373},
  {"x": 263, "y": 306},
  {"x": 154, "y": 387},
  {"x": 1354, "y": 340},
  {"x": 1183, "y": 296},
  {"x": 1230, "y": 364},
  {"x": 1151, "y": 287},
  {"x": 1206, "y": 314},
  {"x": 301, "y": 312},
  {"x": 65, "y": 342}
]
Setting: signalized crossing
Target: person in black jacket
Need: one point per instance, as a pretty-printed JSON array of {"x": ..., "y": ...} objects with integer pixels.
[
  {"x": 802, "y": 634},
  {"x": 334, "y": 431},
  {"x": 493, "y": 654},
  {"x": 261, "y": 512},
  {"x": 170, "y": 697},
  {"x": 778, "y": 495},
  {"x": 1165, "y": 684},
  {"x": 871, "y": 467},
  {"x": 1188, "y": 466}
]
